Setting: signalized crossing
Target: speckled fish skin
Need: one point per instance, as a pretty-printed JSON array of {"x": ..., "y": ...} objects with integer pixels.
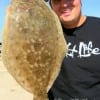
[{"x": 33, "y": 45}]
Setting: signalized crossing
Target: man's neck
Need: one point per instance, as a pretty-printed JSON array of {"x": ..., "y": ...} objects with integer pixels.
[{"x": 75, "y": 23}]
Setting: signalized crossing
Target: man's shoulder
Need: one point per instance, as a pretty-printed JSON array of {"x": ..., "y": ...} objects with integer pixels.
[{"x": 93, "y": 18}]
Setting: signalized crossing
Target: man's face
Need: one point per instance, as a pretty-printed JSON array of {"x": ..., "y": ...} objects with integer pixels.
[{"x": 67, "y": 10}]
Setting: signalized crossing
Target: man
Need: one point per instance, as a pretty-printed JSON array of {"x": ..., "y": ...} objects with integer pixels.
[{"x": 79, "y": 78}]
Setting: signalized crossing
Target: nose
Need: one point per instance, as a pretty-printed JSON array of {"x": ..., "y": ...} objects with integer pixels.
[{"x": 65, "y": 3}]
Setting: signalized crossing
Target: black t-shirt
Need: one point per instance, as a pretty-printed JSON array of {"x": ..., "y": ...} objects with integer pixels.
[{"x": 79, "y": 78}]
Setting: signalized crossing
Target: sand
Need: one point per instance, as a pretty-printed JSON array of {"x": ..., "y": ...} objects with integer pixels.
[{"x": 9, "y": 88}]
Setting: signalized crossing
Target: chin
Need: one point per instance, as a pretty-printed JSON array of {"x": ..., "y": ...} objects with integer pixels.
[{"x": 66, "y": 19}]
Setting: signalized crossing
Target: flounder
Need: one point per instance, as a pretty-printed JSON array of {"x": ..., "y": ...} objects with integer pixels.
[{"x": 33, "y": 45}]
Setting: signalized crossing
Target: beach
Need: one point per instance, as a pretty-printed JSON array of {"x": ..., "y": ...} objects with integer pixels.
[{"x": 9, "y": 88}]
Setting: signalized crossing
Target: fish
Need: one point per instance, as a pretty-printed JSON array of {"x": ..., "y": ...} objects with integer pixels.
[{"x": 33, "y": 45}]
